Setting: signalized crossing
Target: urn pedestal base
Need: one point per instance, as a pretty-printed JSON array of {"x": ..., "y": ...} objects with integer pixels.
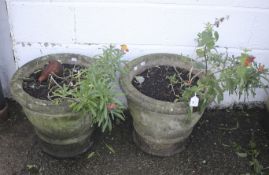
[
  {"x": 66, "y": 150},
  {"x": 162, "y": 150},
  {"x": 4, "y": 114}
]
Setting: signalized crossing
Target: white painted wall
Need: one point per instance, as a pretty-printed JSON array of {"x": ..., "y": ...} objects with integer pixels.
[
  {"x": 7, "y": 64},
  {"x": 41, "y": 27}
]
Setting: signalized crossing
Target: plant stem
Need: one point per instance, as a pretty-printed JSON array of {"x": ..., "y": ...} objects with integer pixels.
[
  {"x": 176, "y": 71},
  {"x": 205, "y": 56},
  {"x": 172, "y": 87},
  {"x": 51, "y": 77},
  {"x": 196, "y": 75}
]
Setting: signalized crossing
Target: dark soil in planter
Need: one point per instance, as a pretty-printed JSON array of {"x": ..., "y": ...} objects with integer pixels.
[
  {"x": 209, "y": 151},
  {"x": 41, "y": 90},
  {"x": 156, "y": 83}
]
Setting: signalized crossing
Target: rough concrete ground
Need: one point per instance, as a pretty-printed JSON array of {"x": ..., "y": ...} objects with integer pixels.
[{"x": 209, "y": 151}]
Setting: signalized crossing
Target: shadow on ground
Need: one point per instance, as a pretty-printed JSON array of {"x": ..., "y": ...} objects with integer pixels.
[{"x": 209, "y": 151}]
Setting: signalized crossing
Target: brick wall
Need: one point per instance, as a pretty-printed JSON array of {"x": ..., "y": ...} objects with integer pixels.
[{"x": 40, "y": 27}]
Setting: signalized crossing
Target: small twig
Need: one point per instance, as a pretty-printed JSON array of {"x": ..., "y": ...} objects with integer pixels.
[
  {"x": 182, "y": 84},
  {"x": 176, "y": 71},
  {"x": 172, "y": 87},
  {"x": 189, "y": 75},
  {"x": 51, "y": 78},
  {"x": 196, "y": 75},
  {"x": 52, "y": 73}
]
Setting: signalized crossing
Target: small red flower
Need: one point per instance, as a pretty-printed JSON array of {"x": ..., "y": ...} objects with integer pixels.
[
  {"x": 249, "y": 60},
  {"x": 111, "y": 106}
]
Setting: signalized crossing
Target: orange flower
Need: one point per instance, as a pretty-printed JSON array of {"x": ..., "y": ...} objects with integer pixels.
[
  {"x": 111, "y": 106},
  {"x": 261, "y": 68},
  {"x": 188, "y": 82},
  {"x": 124, "y": 48},
  {"x": 249, "y": 60}
]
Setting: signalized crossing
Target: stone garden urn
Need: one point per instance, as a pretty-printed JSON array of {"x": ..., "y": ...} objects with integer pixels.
[
  {"x": 160, "y": 128},
  {"x": 62, "y": 133},
  {"x": 3, "y": 106}
]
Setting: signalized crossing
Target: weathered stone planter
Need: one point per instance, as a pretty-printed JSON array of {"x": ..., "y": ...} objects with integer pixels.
[
  {"x": 3, "y": 107},
  {"x": 160, "y": 128},
  {"x": 267, "y": 104},
  {"x": 265, "y": 120},
  {"x": 62, "y": 133},
  {"x": 4, "y": 114}
]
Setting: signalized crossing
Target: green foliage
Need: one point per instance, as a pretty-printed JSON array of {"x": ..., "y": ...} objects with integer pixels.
[
  {"x": 94, "y": 89},
  {"x": 252, "y": 153},
  {"x": 33, "y": 169},
  {"x": 110, "y": 148},
  {"x": 238, "y": 75},
  {"x": 172, "y": 80}
]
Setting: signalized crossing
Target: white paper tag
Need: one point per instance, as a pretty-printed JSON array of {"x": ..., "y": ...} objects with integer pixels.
[{"x": 194, "y": 101}]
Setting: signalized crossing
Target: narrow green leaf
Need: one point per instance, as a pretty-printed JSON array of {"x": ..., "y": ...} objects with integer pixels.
[
  {"x": 110, "y": 148},
  {"x": 90, "y": 155}
]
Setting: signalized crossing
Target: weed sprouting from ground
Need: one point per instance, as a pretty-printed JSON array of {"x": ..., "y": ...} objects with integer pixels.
[{"x": 252, "y": 154}]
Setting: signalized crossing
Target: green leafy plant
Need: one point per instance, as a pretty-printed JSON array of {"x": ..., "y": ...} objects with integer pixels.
[
  {"x": 239, "y": 75},
  {"x": 176, "y": 79},
  {"x": 172, "y": 82},
  {"x": 252, "y": 153},
  {"x": 92, "y": 90}
]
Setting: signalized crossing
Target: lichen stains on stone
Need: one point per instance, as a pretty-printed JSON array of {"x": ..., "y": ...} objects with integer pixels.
[{"x": 48, "y": 44}]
